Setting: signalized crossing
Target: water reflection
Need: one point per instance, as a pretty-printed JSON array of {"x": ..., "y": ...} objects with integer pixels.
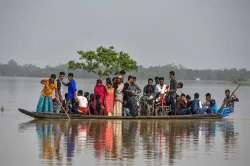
[{"x": 154, "y": 142}]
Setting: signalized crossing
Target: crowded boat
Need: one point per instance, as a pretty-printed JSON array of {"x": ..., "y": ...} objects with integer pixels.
[{"x": 119, "y": 98}]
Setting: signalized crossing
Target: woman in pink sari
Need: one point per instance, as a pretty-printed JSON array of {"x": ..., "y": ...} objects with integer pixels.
[
  {"x": 109, "y": 97},
  {"x": 99, "y": 89}
]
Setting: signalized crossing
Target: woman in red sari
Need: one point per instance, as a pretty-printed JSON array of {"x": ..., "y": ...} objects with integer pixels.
[{"x": 109, "y": 97}]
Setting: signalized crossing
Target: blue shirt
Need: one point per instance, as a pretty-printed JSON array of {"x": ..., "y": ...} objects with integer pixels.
[{"x": 71, "y": 89}]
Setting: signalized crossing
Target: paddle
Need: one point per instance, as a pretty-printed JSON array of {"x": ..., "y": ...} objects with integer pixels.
[
  {"x": 62, "y": 106},
  {"x": 223, "y": 104}
]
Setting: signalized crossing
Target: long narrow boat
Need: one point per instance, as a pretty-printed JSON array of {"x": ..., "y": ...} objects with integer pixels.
[{"x": 39, "y": 115}]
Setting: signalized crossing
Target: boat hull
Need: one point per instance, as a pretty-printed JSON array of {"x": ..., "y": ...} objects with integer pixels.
[{"x": 39, "y": 115}]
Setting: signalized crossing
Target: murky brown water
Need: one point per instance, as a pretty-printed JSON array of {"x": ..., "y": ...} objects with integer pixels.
[{"x": 25, "y": 142}]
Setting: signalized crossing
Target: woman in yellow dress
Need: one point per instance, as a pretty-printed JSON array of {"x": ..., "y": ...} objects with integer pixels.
[{"x": 45, "y": 103}]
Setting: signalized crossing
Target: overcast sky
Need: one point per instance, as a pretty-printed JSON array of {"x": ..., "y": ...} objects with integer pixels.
[{"x": 196, "y": 33}]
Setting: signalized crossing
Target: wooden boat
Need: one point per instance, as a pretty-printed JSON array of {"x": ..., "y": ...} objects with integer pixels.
[{"x": 39, "y": 115}]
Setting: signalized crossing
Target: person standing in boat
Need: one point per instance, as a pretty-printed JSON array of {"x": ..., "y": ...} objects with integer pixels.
[
  {"x": 45, "y": 100},
  {"x": 109, "y": 97},
  {"x": 133, "y": 91},
  {"x": 125, "y": 96},
  {"x": 118, "y": 106},
  {"x": 172, "y": 92},
  {"x": 59, "y": 92},
  {"x": 70, "y": 103},
  {"x": 122, "y": 74},
  {"x": 99, "y": 89}
]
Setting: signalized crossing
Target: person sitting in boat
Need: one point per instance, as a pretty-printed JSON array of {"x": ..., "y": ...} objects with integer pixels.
[
  {"x": 96, "y": 107},
  {"x": 211, "y": 105},
  {"x": 87, "y": 95},
  {"x": 82, "y": 102},
  {"x": 188, "y": 101},
  {"x": 229, "y": 100},
  {"x": 45, "y": 100},
  {"x": 196, "y": 105},
  {"x": 181, "y": 106}
]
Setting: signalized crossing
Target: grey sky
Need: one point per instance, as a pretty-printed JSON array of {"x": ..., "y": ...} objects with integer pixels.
[{"x": 195, "y": 33}]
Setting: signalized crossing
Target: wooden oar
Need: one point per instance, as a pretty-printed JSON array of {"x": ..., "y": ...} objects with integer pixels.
[
  {"x": 62, "y": 106},
  {"x": 223, "y": 104}
]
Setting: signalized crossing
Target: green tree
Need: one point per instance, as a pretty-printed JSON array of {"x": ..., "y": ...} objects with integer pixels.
[{"x": 104, "y": 62}]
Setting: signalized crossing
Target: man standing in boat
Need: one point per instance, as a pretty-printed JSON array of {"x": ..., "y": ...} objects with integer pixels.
[
  {"x": 229, "y": 100},
  {"x": 172, "y": 91},
  {"x": 59, "y": 92},
  {"x": 70, "y": 102}
]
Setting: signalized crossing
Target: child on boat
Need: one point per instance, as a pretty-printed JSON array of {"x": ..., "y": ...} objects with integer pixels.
[
  {"x": 82, "y": 103},
  {"x": 196, "y": 106},
  {"x": 211, "y": 105}
]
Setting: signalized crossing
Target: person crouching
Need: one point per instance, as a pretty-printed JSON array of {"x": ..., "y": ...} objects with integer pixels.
[{"x": 82, "y": 103}]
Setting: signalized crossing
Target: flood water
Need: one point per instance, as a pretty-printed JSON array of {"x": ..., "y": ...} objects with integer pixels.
[{"x": 24, "y": 141}]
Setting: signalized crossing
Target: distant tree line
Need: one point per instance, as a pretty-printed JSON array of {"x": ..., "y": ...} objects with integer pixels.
[{"x": 182, "y": 73}]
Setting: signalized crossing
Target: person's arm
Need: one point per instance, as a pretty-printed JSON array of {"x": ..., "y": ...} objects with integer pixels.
[
  {"x": 212, "y": 103},
  {"x": 145, "y": 90},
  {"x": 44, "y": 81},
  {"x": 236, "y": 99},
  {"x": 183, "y": 104},
  {"x": 224, "y": 102},
  {"x": 120, "y": 88},
  {"x": 200, "y": 105},
  {"x": 74, "y": 88},
  {"x": 65, "y": 84},
  {"x": 138, "y": 89}
]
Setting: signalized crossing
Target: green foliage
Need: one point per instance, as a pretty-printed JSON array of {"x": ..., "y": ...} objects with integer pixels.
[
  {"x": 182, "y": 73},
  {"x": 104, "y": 62}
]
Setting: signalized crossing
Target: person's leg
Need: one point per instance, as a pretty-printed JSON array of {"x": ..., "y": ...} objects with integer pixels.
[
  {"x": 183, "y": 111},
  {"x": 210, "y": 110},
  {"x": 173, "y": 105},
  {"x": 50, "y": 104},
  {"x": 39, "y": 107},
  {"x": 202, "y": 110},
  {"x": 124, "y": 112},
  {"x": 133, "y": 107},
  {"x": 68, "y": 103}
]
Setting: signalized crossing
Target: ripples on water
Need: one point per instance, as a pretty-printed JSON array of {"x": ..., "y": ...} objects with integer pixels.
[{"x": 115, "y": 142}]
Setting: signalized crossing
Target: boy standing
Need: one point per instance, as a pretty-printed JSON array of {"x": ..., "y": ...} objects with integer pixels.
[
  {"x": 59, "y": 92},
  {"x": 172, "y": 91},
  {"x": 71, "y": 93}
]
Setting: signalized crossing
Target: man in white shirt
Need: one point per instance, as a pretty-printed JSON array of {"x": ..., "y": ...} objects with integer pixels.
[
  {"x": 161, "y": 87},
  {"x": 83, "y": 102}
]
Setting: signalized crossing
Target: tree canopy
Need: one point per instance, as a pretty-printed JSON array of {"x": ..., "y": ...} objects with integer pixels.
[{"x": 104, "y": 62}]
